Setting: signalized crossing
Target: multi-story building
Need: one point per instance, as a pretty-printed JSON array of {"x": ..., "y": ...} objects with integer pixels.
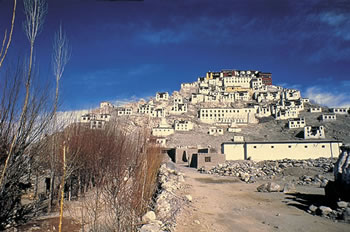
[
  {"x": 183, "y": 125},
  {"x": 263, "y": 111},
  {"x": 283, "y": 114},
  {"x": 158, "y": 113},
  {"x": 95, "y": 121},
  {"x": 179, "y": 108},
  {"x": 256, "y": 83},
  {"x": 146, "y": 109},
  {"x": 124, "y": 111},
  {"x": 227, "y": 115},
  {"x": 314, "y": 132},
  {"x": 291, "y": 94},
  {"x": 296, "y": 123},
  {"x": 266, "y": 78},
  {"x": 162, "y": 96},
  {"x": 163, "y": 129}
]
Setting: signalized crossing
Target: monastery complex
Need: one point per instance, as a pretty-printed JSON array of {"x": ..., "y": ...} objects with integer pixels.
[{"x": 224, "y": 103}]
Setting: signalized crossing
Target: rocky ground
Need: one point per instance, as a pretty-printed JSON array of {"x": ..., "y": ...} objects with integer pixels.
[
  {"x": 226, "y": 203},
  {"x": 268, "y": 129}
]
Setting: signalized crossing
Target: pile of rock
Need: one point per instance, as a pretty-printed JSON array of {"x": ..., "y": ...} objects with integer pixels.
[
  {"x": 340, "y": 187},
  {"x": 337, "y": 191},
  {"x": 342, "y": 211},
  {"x": 167, "y": 203},
  {"x": 315, "y": 180},
  {"x": 248, "y": 170},
  {"x": 274, "y": 187}
]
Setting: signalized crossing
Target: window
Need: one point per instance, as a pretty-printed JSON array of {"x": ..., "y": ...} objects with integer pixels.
[
  {"x": 305, "y": 146},
  {"x": 272, "y": 146},
  {"x": 323, "y": 146},
  {"x": 207, "y": 159},
  {"x": 254, "y": 146},
  {"x": 289, "y": 146}
]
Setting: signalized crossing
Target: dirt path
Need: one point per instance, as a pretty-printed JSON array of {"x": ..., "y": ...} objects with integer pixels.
[{"x": 225, "y": 204}]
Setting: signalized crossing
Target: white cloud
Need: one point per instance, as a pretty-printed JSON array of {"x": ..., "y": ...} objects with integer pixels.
[
  {"x": 332, "y": 18},
  {"x": 327, "y": 98}
]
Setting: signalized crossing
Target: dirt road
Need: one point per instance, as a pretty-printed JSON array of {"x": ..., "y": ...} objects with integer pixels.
[{"x": 224, "y": 204}]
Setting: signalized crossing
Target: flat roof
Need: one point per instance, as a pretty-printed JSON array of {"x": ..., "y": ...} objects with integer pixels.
[{"x": 286, "y": 141}]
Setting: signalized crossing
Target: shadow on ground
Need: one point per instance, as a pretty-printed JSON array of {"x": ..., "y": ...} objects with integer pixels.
[{"x": 304, "y": 200}]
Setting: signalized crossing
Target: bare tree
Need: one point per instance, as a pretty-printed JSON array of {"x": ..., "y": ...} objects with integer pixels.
[
  {"x": 60, "y": 57},
  {"x": 35, "y": 11},
  {"x": 5, "y": 45},
  {"x": 26, "y": 113}
]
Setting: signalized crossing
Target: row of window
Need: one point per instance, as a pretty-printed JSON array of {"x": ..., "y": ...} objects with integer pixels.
[
  {"x": 289, "y": 146},
  {"x": 224, "y": 110}
]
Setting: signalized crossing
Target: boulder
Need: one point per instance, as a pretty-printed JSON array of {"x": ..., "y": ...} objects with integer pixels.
[
  {"x": 262, "y": 188},
  {"x": 346, "y": 215},
  {"x": 269, "y": 187},
  {"x": 324, "y": 210},
  {"x": 149, "y": 217},
  {"x": 154, "y": 227},
  {"x": 273, "y": 187},
  {"x": 313, "y": 208},
  {"x": 342, "y": 204},
  {"x": 289, "y": 188}
]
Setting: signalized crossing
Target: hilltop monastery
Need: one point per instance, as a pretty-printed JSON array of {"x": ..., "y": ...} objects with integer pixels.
[{"x": 225, "y": 101}]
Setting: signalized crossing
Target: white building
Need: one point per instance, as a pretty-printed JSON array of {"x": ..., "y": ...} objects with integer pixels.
[
  {"x": 238, "y": 138},
  {"x": 215, "y": 131},
  {"x": 328, "y": 117},
  {"x": 162, "y": 96},
  {"x": 178, "y": 100},
  {"x": 242, "y": 96},
  {"x": 315, "y": 109},
  {"x": 276, "y": 150},
  {"x": 183, "y": 125},
  {"x": 263, "y": 111},
  {"x": 339, "y": 110},
  {"x": 243, "y": 82},
  {"x": 97, "y": 124},
  {"x": 291, "y": 94},
  {"x": 196, "y": 98},
  {"x": 158, "y": 113},
  {"x": 161, "y": 142},
  {"x": 179, "y": 108},
  {"x": 189, "y": 85},
  {"x": 305, "y": 100},
  {"x": 282, "y": 114},
  {"x": 256, "y": 83},
  {"x": 227, "y": 115},
  {"x": 146, "y": 109},
  {"x": 163, "y": 129},
  {"x": 296, "y": 123},
  {"x": 93, "y": 117},
  {"x": 124, "y": 111},
  {"x": 106, "y": 104},
  {"x": 314, "y": 132}
]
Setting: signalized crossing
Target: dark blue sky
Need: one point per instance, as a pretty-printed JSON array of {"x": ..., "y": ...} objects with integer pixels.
[{"x": 131, "y": 49}]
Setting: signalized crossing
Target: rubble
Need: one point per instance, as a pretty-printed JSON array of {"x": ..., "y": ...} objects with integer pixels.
[
  {"x": 249, "y": 171},
  {"x": 167, "y": 203},
  {"x": 269, "y": 187},
  {"x": 337, "y": 191}
]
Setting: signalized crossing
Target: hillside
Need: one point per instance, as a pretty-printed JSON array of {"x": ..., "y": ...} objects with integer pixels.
[{"x": 261, "y": 112}]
